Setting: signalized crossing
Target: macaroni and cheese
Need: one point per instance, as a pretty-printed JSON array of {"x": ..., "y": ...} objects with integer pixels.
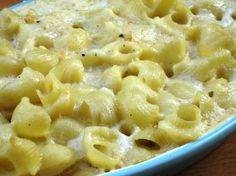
[{"x": 89, "y": 86}]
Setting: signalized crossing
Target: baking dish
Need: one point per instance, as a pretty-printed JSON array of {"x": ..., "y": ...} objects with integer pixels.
[{"x": 175, "y": 160}]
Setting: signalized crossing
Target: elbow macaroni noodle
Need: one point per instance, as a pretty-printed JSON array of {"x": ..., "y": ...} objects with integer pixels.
[{"x": 90, "y": 86}]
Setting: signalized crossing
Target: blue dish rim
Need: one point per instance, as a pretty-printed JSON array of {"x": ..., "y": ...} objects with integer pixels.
[
  {"x": 20, "y": 4},
  {"x": 172, "y": 156}
]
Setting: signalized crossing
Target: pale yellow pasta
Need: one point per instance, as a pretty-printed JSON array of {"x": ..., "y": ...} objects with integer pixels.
[
  {"x": 41, "y": 59},
  {"x": 56, "y": 97},
  {"x": 150, "y": 72},
  {"x": 146, "y": 139},
  {"x": 220, "y": 63},
  {"x": 6, "y": 132},
  {"x": 55, "y": 159},
  {"x": 148, "y": 53},
  {"x": 167, "y": 102},
  {"x": 112, "y": 78},
  {"x": 167, "y": 59},
  {"x": 182, "y": 15},
  {"x": 43, "y": 41},
  {"x": 27, "y": 36},
  {"x": 100, "y": 147},
  {"x": 29, "y": 120},
  {"x": 23, "y": 154},
  {"x": 6, "y": 48},
  {"x": 25, "y": 85},
  {"x": 9, "y": 24},
  {"x": 127, "y": 128},
  {"x": 135, "y": 108},
  {"x": 159, "y": 53},
  {"x": 208, "y": 43},
  {"x": 74, "y": 40},
  {"x": 133, "y": 83},
  {"x": 208, "y": 108},
  {"x": 10, "y": 64},
  {"x": 210, "y": 7},
  {"x": 147, "y": 143},
  {"x": 204, "y": 101},
  {"x": 223, "y": 92},
  {"x": 102, "y": 113},
  {"x": 188, "y": 116},
  {"x": 182, "y": 89},
  {"x": 145, "y": 146},
  {"x": 118, "y": 52},
  {"x": 176, "y": 22},
  {"x": 69, "y": 71},
  {"x": 109, "y": 29},
  {"x": 137, "y": 8},
  {"x": 135, "y": 105},
  {"x": 64, "y": 129},
  {"x": 183, "y": 127},
  {"x": 80, "y": 93},
  {"x": 159, "y": 8}
]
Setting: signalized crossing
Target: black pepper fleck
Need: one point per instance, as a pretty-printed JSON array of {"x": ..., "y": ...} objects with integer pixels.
[
  {"x": 83, "y": 55},
  {"x": 95, "y": 54},
  {"x": 38, "y": 21},
  {"x": 121, "y": 35},
  {"x": 211, "y": 94}
]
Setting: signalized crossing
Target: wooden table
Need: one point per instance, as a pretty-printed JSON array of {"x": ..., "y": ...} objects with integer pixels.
[
  {"x": 221, "y": 162},
  {"x": 6, "y": 3}
]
